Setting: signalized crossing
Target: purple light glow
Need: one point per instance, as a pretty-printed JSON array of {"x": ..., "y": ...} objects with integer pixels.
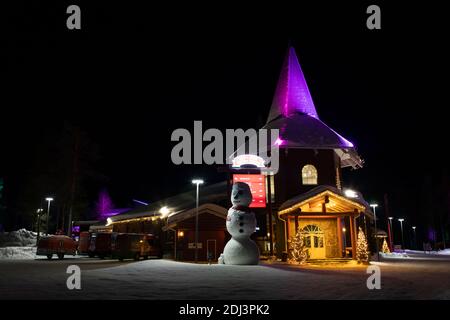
[
  {"x": 431, "y": 234},
  {"x": 344, "y": 141},
  {"x": 104, "y": 205},
  {"x": 114, "y": 212},
  {"x": 292, "y": 93},
  {"x": 279, "y": 142}
]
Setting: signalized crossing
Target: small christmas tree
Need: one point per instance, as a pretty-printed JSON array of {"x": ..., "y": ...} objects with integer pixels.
[
  {"x": 299, "y": 252},
  {"x": 362, "y": 252},
  {"x": 385, "y": 248}
]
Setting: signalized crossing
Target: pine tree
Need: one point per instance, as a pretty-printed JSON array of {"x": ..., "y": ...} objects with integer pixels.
[
  {"x": 299, "y": 252},
  {"x": 362, "y": 252},
  {"x": 385, "y": 248}
]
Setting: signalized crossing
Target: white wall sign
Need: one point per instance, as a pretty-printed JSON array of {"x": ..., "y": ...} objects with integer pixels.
[
  {"x": 191, "y": 245},
  {"x": 248, "y": 159}
]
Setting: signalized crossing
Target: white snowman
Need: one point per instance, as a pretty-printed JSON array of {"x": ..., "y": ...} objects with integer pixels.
[{"x": 241, "y": 223}]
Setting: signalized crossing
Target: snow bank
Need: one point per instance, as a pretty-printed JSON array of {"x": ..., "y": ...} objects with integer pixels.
[
  {"x": 444, "y": 252},
  {"x": 394, "y": 255},
  {"x": 18, "y": 253},
  {"x": 19, "y": 238}
]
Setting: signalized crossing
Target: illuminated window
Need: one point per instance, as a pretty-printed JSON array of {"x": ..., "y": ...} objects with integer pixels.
[{"x": 309, "y": 174}]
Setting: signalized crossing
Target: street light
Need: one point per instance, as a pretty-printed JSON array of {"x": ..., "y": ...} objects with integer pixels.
[
  {"x": 345, "y": 242},
  {"x": 48, "y": 213},
  {"x": 374, "y": 205},
  {"x": 415, "y": 239},
  {"x": 39, "y": 212},
  {"x": 392, "y": 233},
  {"x": 401, "y": 228},
  {"x": 197, "y": 182}
]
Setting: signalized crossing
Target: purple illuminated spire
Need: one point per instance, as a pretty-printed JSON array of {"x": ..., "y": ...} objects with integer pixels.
[
  {"x": 104, "y": 205},
  {"x": 292, "y": 93}
]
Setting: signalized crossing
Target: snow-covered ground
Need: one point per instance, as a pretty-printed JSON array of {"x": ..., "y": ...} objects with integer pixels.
[
  {"x": 165, "y": 279},
  {"x": 17, "y": 253}
]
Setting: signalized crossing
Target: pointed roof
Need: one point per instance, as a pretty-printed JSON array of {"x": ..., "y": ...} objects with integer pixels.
[
  {"x": 292, "y": 93},
  {"x": 294, "y": 114}
]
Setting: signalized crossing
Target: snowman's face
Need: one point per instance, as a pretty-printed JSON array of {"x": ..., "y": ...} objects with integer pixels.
[
  {"x": 240, "y": 224},
  {"x": 241, "y": 195}
]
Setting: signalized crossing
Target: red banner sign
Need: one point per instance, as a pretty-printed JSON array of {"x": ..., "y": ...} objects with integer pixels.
[{"x": 257, "y": 183}]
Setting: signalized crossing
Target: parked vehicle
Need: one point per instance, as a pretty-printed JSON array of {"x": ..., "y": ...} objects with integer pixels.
[
  {"x": 58, "y": 244},
  {"x": 84, "y": 242},
  {"x": 100, "y": 245},
  {"x": 134, "y": 246}
]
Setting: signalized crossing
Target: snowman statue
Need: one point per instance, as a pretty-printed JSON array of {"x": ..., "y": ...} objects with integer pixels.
[{"x": 241, "y": 223}]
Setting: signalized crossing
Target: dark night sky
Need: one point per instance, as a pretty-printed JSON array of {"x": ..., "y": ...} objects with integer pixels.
[{"x": 133, "y": 75}]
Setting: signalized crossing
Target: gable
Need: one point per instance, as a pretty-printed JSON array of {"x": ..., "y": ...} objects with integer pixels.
[{"x": 328, "y": 200}]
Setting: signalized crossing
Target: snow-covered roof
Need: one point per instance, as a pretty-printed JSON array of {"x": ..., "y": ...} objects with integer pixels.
[
  {"x": 210, "y": 208},
  {"x": 294, "y": 114},
  {"x": 85, "y": 222},
  {"x": 214, "y": 193},
  {"x": 320, "y": 189},
  {"x": 302, "y": 131}
]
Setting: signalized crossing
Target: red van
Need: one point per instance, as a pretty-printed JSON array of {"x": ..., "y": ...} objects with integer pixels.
[
  {"x": 84, "y": 242},
  {"x": 134, "y": 246},
  {"x": 59, "y": 245},
  {"x": 100, "y": 245}
]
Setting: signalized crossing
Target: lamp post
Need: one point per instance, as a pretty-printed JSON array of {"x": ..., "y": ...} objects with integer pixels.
[
  {"x": 374, "y": 205},
  {"x": 345, "y": 242},
  {"x": 392, "y": 233},
  {"x": 48, "y": 213},
  {"x": 197, "y": 182},
  {"x": 39, "y": 212},
  {"x": 401, "y": 228},
  {"x": 415, "y": 240}
]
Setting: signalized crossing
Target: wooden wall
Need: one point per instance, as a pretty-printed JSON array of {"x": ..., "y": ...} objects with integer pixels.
[{"x": 210, "y": 227}]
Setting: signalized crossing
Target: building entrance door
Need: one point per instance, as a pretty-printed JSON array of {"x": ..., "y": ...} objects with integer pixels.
[
  {"x": 314, "y": 241},
  {"x": 211, "y": 248}
]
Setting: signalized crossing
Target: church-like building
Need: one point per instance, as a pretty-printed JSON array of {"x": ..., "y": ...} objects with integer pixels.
[{"x": 306, "y": 195}]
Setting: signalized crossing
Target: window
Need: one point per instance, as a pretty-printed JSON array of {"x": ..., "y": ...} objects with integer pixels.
[
  {"x": 309, "y": 174},
  {"x": 311, "y": 228}
]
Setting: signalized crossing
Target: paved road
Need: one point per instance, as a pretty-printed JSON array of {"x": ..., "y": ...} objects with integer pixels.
[{"x": 419, "y": 277}]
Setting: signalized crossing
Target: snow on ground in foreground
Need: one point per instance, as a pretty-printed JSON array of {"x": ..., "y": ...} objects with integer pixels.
[
  {"x": 18, "y": 253},
  {"x": 164, "y": 279}
]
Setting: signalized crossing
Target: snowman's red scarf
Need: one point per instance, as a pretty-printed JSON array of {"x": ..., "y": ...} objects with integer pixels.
[{"x": 241, "y": 208}]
